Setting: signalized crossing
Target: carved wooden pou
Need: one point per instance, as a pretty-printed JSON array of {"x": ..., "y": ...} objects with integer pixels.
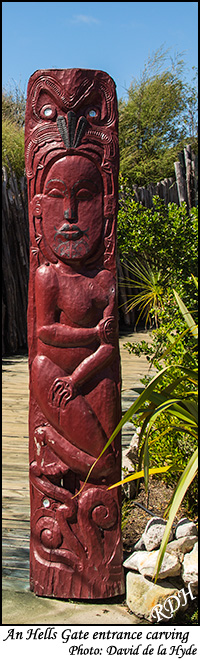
[{"x": 71, "y": 148}]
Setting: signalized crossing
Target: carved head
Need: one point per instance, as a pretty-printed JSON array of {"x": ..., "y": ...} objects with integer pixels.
[
  {"x": 71, "y": 118},
  {"x": 71, "y": 208}
]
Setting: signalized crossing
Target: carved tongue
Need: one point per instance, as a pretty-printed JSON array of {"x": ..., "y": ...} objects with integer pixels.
[
  {"x": 64, "y": 228},
  {"x": 62, "y": 127},
  {"x": 68, "y": 228},
  {"x": 71, "y": 131}
]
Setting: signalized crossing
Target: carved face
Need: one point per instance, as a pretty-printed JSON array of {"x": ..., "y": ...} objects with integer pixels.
[{"x": 72, "y": 208}]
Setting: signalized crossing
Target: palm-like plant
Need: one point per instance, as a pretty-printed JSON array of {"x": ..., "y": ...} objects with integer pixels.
[{"x": 152, "y": 286}]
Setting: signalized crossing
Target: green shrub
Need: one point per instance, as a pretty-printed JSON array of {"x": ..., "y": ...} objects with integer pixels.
[
  {"x": 13, "y": 146},
  {"x": 13, "y": 116},
  {"x": 165, "y": 237}
]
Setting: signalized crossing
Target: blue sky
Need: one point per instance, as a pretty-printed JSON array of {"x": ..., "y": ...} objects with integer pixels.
[{"x": 117, "y": 37}]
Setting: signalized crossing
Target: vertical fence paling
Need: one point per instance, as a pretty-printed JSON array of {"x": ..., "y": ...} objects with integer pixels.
[
  {"x": 186, "y": 172},
  {"x": 15, "y": 240},
  {"x": 181, "y": 189}
]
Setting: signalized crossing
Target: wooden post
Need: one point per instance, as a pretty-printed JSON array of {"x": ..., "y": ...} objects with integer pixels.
[
  {"x": 71, "y": 154},
  {"x": 189, "y": 176},
  {"x": 181, "y": 184}
]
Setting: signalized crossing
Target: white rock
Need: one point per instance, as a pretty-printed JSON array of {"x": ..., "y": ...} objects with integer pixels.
[
  {"x": 190, "y": 569},
  {"x": 132, "y": 561},
  {"x": 153, "y": 533},
  {"x": 129, "y": 488},
  {"x": 145, "y": 563},
  {"x": 132, "y": 452},
  {"x": 181, "y": 545},
  {"x": 144, "y": 597},
  {"x": 185, "y": 528},
  {"x": 139, "y": 546}
]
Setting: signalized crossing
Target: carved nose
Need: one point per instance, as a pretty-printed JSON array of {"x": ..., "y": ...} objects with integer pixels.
[
  {"x": 70, "y": 212},
  {"x": 70, "y": 215}
]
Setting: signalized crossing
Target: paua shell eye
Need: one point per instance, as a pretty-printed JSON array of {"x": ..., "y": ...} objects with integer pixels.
[
  {"x": 92, "y": 114},
  {"x": 48, "y": 111}
]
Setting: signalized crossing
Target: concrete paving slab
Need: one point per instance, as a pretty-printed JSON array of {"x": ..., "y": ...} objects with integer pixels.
[{"x": 26, "y": 608}]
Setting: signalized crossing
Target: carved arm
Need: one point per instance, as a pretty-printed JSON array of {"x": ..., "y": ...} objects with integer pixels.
[
  {"x": 105, "y": 353},
  {"x": 48, "y": 330},
  {"x": 60, "y": 335},
  {"x": 92, "y": 364}
]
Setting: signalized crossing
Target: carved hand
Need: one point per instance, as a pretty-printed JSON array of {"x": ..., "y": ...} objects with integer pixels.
[
  {"x": 107, "y": 330},
  {"x": 62, "y": 391}
]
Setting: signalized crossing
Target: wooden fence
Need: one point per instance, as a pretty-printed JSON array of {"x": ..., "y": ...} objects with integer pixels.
[
  {"x": 15, "y": 262},
  {"x": 183, "y": 187},
  {"x": 15, "y": 240}
]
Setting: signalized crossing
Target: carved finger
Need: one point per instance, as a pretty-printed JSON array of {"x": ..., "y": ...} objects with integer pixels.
[
  {"x": 65, "y": 399},
  {"x": 64, "y": 396},
  {"x": 59, "y": 398},
  {"x": 57, "y": 385},
  {"x": 56, "y": 396}
]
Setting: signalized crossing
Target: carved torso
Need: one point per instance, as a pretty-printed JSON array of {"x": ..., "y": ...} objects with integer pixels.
[{"x": 73, "y": 300}]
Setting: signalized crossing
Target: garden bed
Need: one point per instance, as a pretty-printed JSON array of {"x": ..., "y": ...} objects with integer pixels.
[{"x": 134, "y": 520}]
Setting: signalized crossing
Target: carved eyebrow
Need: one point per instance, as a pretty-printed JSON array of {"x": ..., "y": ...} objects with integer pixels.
[
  {"x": 56, "y": 183},
  {"x": 81, "y": 183},
  {"x": 88, "y": 183}
]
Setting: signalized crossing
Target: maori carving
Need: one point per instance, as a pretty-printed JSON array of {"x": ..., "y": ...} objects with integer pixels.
[{"x": 71, "y": 149}]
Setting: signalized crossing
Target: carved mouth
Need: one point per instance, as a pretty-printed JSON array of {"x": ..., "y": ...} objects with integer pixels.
[{"x": 70, "y": 232}]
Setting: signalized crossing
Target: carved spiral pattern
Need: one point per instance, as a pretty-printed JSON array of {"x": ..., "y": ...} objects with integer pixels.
[
  {"x": 99, "y": 507},
  {"x": 49, "y": 533},
  {"x": 104, "y": 517}
]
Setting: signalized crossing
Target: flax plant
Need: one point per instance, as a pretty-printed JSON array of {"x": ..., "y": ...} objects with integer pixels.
[
  {"x": 183, "y": 408},
  {"x": 179, "y": 401}
]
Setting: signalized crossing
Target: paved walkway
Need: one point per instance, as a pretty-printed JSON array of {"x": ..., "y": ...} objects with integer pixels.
[{"x": 20, "y": 606}]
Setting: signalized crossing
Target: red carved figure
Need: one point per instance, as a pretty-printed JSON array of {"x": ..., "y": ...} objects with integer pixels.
[{"x": 72, "y": 169}]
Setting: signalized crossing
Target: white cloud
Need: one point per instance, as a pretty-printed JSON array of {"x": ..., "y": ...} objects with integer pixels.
[{"x": 83, "y": 18}]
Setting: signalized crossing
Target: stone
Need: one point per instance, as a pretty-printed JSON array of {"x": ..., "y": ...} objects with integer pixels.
[
  {"x": 181, "y": 545},
  {"x": 133, "y": 560},
  {"x": 132, "y": 452},
  {"x": 190, "y": 568},
  {"x": 145, "y": 563},
  {"x": 142, "y": 596},
  {"x": 153, "y": 533},
  {"x": 139, "y": 546},
  {"x": 129, "y": 488},
  {"x": 185, "y": 528}
]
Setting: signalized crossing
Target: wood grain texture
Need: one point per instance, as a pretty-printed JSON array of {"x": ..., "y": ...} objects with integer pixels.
[{"x": 15, "y": 479}]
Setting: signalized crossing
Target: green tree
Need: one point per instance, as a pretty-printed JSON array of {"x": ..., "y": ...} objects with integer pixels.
[
  {"x": 156, "y": 120},
  {"x": 165, "y": 236}
]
